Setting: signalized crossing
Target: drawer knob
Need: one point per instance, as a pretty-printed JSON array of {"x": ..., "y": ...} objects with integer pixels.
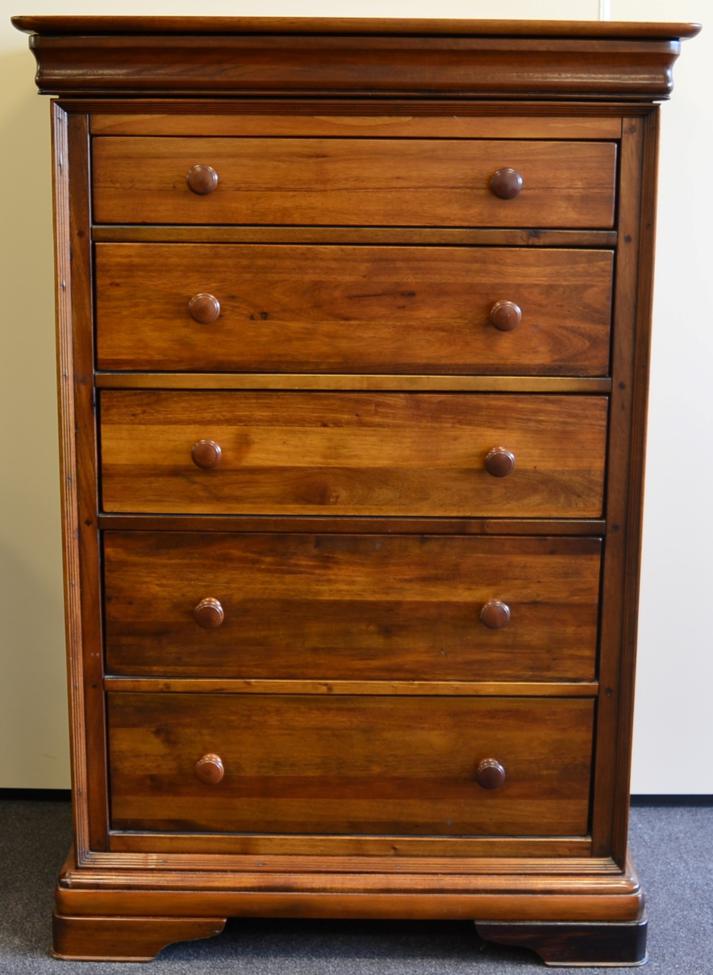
[
  {"x": 202, "y": 179},
  {"x": 210, "y": 769},
  {"x": 206, "y": 454},
  {"x": 506, "y": 183},
  {"x": 504, "y": 315},
  {"x": 495, "y": 614},
  {"x": 209, "y": 613},
  {"x": 490, "y": 774},
  {"x": 204, "y": 308},
  {"x": 500, "y": 462}
]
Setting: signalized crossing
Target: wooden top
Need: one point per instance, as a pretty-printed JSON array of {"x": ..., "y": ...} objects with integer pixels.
[
  {"x": 352, "y": 25},
  {"x": 306, "y": 57}
]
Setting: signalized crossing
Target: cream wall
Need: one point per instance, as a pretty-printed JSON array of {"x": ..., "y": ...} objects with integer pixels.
[{"x": 676, "y": 648}]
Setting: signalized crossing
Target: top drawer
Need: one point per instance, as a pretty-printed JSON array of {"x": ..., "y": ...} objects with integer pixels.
[{"x": 353, "y": 182}]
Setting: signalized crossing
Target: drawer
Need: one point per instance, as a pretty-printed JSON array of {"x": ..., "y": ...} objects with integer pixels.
[
  {"x": 352, "y": 182},
  {"x": 350, "y": 606},
  {"x": 227, "y": 307},
  {"x": 352, "y": 453},
  {"x": 348, "y": 764}
]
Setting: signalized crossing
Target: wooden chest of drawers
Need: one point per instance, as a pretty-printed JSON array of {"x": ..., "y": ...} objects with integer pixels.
[{"x": 353, "y": 324}]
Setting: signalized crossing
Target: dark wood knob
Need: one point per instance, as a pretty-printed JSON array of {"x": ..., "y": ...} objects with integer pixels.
[
  {"x": 490, "y": 774},
  {"x": 202, "y": 179},
  {"x": 495, "y": 614},
  {"x": 204, "y": 308},
  {"x": 210, "y": 769},
  {"x": 209, "y": 613},
  {"x": 506, "y": 183},
  {"x": 504, "y": 315},
  {"x": 500, "y": 462},
  {"x": 206, "y": 454}
]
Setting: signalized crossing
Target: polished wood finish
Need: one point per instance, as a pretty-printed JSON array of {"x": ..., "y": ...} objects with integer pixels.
[
  {"x": 209, "y": 613},
  {"x": 353, "y": 181},
  {"x": 500, "y": 462},
  {"x": 79, "y": 476},
  {"x": 505, "y": 315},
  {"x": 348, "y": 453},
  {"x": 341, "y": 309},
  {"x": 506, "y": 183},
  {"x": 357, "y": 524},
  {"x": 202, "y": 179},
  {"x": 335, "y": 854},
  {"x": 210, "y": 769},
  {"x": 345, "y": 381},
  {"x": 582, "y": 944},
  {"x": 352, "y": 479},
  {"x": 101, "y": 25},
  {"x": 490, "y": 774},
  {"x": 299, "y": 56},
  {"x": 204, "y": 308},
  {"x": 532, "y": 237},
  {"x": 486, "y": 888},
  {"x": 339, "y": 607},
  {"x": 335, "y": 764},
  {"x": 206, "y": 454},
  {"x": 119, "y": 938},
  {"x": 420, "y": 122},
  {"x": 495, "y": 614},
  {"x": 445, "y": 688}
]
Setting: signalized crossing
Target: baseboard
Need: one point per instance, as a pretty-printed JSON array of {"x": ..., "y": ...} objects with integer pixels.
[
  {"x": 654, "y": 799},
  {"x": 694, "y": 799},
  {"x": 38, "y": 795}
]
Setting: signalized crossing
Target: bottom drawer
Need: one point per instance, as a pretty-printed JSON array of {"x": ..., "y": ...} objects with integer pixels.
[{"x": 349, "y": 764}]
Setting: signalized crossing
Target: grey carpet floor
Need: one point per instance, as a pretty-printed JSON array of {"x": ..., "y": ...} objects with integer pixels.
[{"x": 673, "y": 848}]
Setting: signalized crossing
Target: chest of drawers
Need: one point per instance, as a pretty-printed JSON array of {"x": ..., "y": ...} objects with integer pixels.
[{"x": 353, "y": 327}]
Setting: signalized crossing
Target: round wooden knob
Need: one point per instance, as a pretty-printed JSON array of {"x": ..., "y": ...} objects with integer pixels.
[
  {"x": 500, "y": 462},
  {"x": 490, "y": 774},
  {"x": 209, "y": 613},
  {"x": 504, "y": 315},
  {"x": 495, "y": 614},
  {"x": 204, "y": 308},
  {"x": 210, "y": 769},
  {"x": 202, "y": 179},
  {"x": 206, "y": 454},
  {"x": 506, "y": 183}
]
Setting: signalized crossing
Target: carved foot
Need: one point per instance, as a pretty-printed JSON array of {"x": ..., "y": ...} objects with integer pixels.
[
  {"x": 573, "y": 943},
  {"x": 126, "y": 938}
]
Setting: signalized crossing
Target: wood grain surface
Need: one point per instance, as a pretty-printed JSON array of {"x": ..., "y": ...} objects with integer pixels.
[
  {"x": 350, "y": 607},
  {"x": 414, "y": 182},
  {"x": 352, "y": 309},
  {"x": 352, "y": 453},
  {"x": 364, "y": 764}
]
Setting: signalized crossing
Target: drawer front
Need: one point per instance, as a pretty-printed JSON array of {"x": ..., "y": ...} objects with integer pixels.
[
  {"x": 347, "y": 764},
  {"x": 350, "y": 606},
  {"x": 348, "y": 309},
  {"x": 352, "y": 453},
  {"x": 379, "y": 182}
]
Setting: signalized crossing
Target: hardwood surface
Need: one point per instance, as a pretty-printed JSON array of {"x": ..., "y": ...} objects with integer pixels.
[
  {"x": 304, "y": 56},
  {"x": 125, "y": 938},
  {"x": 341, "y": 764},
  {"x": 342, "y": 606},
  {"x": 414, "y": 182},
  {"x": 581, "y": 944},
  {"x": 352, "y": 453},
  {"x": 352, "y": 382},
  {"x": 412, "y": 126},
  {"x": 351, "y": 309},
  {"x": 352, "y": 480},
  {"x": 451, "y": 236},
  {"x": 397, "y": 687},
  {"x": 78, "y": 24}
]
